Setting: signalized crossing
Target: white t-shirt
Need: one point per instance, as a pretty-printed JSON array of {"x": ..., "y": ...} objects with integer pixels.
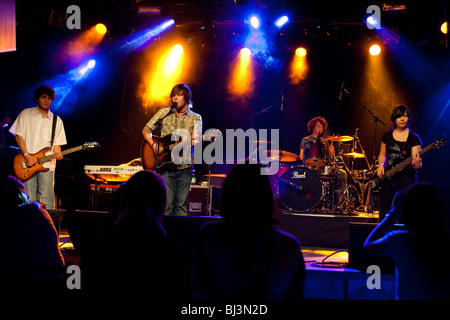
[{"x": 36, "y": 130}]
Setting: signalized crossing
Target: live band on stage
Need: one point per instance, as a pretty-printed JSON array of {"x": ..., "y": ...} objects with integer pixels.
[{"x": 330, "y": 175}]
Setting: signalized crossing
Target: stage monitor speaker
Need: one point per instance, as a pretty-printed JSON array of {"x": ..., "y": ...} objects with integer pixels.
[
  {"x": 82, "y": 225},
  {"x": 358, "y": 258},
  {"x": 198, "y": 200},
  {"x": 56, "y": 218}
]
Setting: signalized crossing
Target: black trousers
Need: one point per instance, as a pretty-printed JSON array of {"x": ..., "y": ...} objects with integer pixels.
[{"x": 387, "y": 195}]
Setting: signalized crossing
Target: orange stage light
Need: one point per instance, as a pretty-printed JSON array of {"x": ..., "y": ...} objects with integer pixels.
[{"x": 100, "y": 28}]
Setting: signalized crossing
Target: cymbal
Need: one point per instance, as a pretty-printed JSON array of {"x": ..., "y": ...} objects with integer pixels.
[
  {"x": 339, "y": 138},
  {"x": 354, "y": 155},
  {"x": 283, "y": 156}
]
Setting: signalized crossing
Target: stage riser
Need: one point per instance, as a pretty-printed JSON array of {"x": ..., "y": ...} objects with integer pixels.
[{"x": 311, "y": 231}]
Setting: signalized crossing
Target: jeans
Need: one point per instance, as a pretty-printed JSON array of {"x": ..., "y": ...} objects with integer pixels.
[
  {"x": 40, "y": 188},
  {"x": 178, "y": 185}
]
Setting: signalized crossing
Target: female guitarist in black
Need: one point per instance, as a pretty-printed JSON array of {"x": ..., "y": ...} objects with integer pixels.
[{"x": 398, "y": 144}]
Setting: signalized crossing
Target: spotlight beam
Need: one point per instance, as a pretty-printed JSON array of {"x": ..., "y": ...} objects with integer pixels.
[{"x": 145, "y": 36}]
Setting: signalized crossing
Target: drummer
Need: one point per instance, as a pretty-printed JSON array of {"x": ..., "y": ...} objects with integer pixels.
[
  {"x": 314, "y": 150},
  {"x": 316, "y": 153}
]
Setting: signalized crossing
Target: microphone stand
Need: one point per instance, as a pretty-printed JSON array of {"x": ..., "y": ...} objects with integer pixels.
[
  {"x": 281, "y": 101},
  {"x": 375, "y": 121}
]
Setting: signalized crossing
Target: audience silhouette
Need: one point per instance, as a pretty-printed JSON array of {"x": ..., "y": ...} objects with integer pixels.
[
  {"x": 135, "y": 256},
  {"x": 421, "y": 250},
  {"x": 245, "y": 257},
  {"x": 30, "y": 259}
]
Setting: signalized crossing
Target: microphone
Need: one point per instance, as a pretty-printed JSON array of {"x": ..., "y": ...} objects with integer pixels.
[
  {"x": 342, "y": 89},
  {"x": 174, "y": 105},
  {"x": 356, "y": 133},
  {"x": 282, "y": 100}
]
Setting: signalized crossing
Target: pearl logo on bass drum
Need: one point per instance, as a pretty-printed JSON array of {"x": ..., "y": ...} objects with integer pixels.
[{"x": 296, "y": 175}]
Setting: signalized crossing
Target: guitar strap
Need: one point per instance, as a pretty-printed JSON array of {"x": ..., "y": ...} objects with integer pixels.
[
  {"x": 55, "y": 117},
  {"x": 188, "y": 122}
]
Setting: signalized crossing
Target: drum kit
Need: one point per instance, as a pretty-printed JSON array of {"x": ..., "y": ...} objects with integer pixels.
[{"x": 322, "y": 183}]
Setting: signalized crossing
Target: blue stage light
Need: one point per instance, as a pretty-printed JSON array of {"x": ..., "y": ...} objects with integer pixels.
[
  {"x": 281, "y": 21},
  {"x": 145, "y": 36},
  {"x": 254, "y": 21}
]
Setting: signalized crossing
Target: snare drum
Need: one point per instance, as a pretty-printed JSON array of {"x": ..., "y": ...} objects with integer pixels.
[{"x": 316, "y": 164}]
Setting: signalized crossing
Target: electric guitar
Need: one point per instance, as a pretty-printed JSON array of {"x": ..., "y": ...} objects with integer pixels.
[
  {"x": 166, "y": 144},
  {"x": 24, "y": 172},
  {"x": 378, "y": 183}
]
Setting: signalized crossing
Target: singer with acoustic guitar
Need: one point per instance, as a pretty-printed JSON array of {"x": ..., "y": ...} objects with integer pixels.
[
  {"x": 398, "y": 144},
  {"x": 35, "y": 129},
  {"x": 158, "y": 144}
]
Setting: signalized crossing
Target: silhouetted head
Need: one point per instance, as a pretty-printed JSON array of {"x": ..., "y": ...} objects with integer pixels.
[
  {"x": 12, "y": 192},
  {"x": 423, "y": 210},
  {"x": 247, "y": 197},
  {"x": 144, "y": 196}
]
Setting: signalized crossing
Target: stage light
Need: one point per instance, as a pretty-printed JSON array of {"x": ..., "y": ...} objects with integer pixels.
[
  {"x": 281, "y": 21},
  {"x": 159, "y": 81},
  {"x": 298, "y": 67},
  {"x": 242, "y": 80},
  {"x": 254, "y": 22},
  {"x": 301, "y": 52},
  {"x": 372, "y": 21},
  {"x": 245, "y": 53},
  {"x": 85, "y": 68},
  {"x": 91, "y": 64},
  {"x": 100, "y": 28},
  {"x": 172, "y": 62},
  {"x": 444, "y": 29},
  {"x": 145, "y": 36},
  {"x": 375, "y": 50}
]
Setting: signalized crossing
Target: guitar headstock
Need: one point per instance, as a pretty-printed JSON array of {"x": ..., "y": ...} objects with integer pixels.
[
  {"x": 440, "y": 142},
  {"x": 90, "y": 145}
]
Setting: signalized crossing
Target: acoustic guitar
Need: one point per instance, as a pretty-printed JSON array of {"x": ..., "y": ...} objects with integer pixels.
[{"x": 166, "y": 144}]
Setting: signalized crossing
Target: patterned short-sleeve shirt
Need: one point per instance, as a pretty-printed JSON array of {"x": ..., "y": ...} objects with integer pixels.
[{"x": 172, "y": 122}]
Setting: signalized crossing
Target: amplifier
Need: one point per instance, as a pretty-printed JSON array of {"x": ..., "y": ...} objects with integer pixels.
[{"x": 198, "y": 200}]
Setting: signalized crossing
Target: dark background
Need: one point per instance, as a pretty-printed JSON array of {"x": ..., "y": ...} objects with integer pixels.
[{"x": 107, "y": 108}]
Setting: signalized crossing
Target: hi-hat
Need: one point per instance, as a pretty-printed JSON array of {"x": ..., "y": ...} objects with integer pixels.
[
  {"x": 339, "y": 138},
  {"x": 283, "y": 156},
  {"x": 354, "y": 155}
]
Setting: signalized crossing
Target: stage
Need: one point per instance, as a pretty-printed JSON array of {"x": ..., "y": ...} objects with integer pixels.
[{"x": 327, "y": 277}]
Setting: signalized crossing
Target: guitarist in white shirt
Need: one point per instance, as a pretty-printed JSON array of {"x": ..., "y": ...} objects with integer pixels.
[
  {"x": 397, "y": 145},
  {"x": 33, "y": 131}
]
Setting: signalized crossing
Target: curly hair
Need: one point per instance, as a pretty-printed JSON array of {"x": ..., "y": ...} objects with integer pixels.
[
  {"x": 43, "y": 90},
  {"x": 312, "y": 123}
]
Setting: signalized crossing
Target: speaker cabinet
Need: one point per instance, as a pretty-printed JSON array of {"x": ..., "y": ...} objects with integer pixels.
[{"x": 198, "y": 200}]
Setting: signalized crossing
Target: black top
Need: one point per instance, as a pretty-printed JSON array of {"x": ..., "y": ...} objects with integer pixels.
[{"x": 397, "y": 151}]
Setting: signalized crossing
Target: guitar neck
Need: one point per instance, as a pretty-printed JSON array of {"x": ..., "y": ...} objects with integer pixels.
[
  {"x": 404, "y": 163},
  {"x": 52, "y": 156}
]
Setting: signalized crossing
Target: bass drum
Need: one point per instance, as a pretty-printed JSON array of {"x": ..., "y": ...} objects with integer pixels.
[{"x": 299, "y": 189}]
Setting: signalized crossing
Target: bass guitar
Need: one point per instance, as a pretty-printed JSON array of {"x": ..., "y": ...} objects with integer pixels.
[
  {"x": 378, "y": 183},
  {"x": 24, "y": 172}
]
